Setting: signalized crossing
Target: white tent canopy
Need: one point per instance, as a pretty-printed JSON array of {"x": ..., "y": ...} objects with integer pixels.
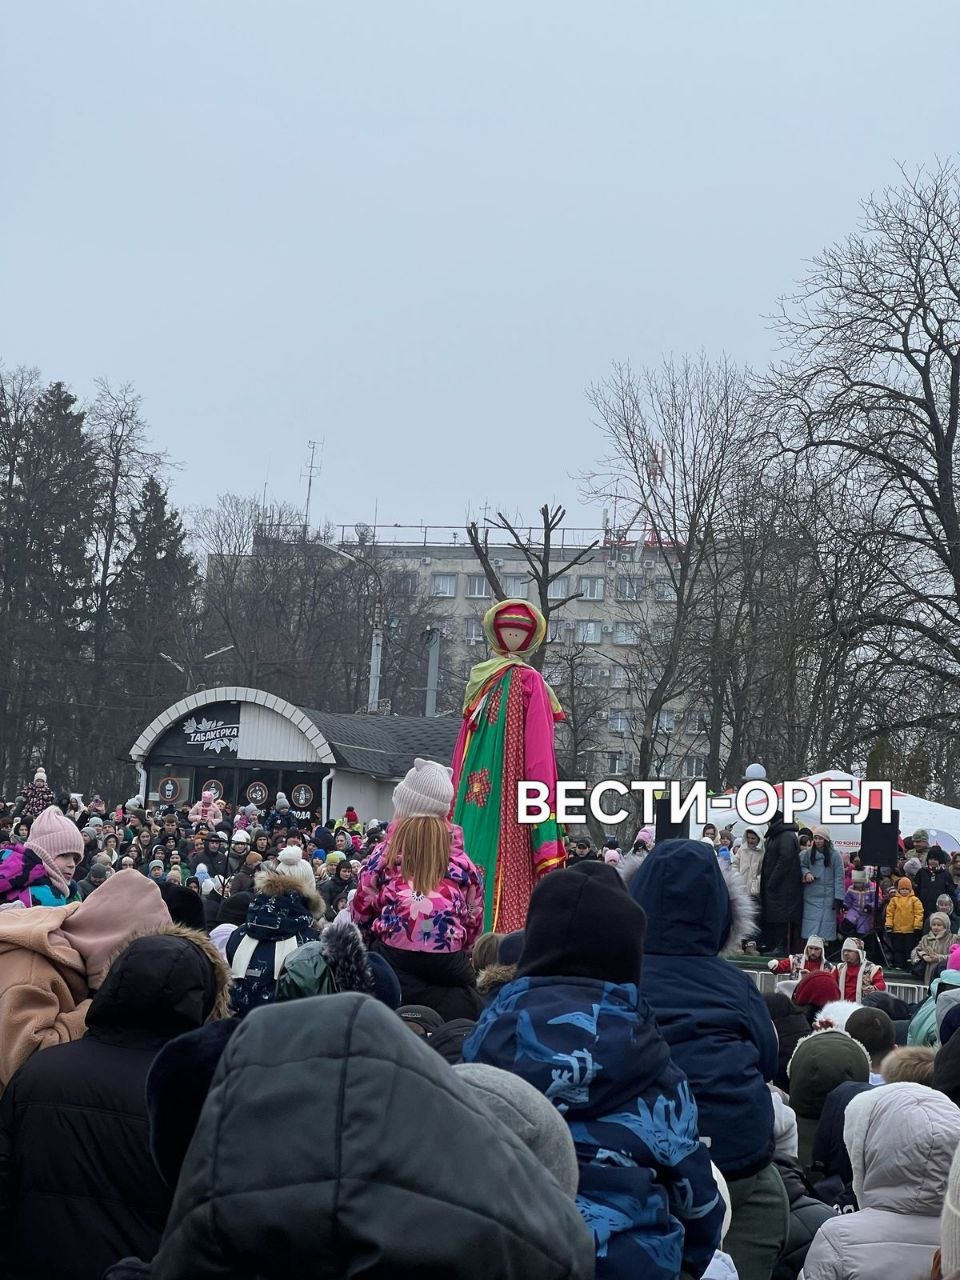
[{"x": 941, "y": 822}]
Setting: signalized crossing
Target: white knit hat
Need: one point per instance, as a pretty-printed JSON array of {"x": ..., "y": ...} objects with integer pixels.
[
  {"x": 40, "y": 775},
  {"x": 950, "y": 1221},
  {"x": 292, "y": 864},
  {"x": 425, "y": 792}
]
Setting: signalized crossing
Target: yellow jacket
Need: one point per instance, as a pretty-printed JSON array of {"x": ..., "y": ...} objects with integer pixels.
[{"x": 904, "y": 915}]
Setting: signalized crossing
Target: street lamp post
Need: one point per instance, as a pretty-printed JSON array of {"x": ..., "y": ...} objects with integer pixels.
[{"x": 376, "y": 636}]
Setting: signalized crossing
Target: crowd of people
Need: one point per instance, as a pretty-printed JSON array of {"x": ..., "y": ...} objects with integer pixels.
[{"x": 235, "y": 1044}]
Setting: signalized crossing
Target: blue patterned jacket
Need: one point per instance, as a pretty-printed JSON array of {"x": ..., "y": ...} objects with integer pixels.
[{"x": 593, "y": 1048}]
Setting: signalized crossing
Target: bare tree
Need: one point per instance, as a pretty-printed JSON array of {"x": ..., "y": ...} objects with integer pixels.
[
  {"x": 872, "y": 389},
  {"x": 673, "y": 435}
]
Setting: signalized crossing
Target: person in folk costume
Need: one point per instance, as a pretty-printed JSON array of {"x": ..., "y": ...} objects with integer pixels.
[
  {"x": 856, "y": 975},
  {"x": 811, "y": 960},
  {"x": 506, "y": 737}
]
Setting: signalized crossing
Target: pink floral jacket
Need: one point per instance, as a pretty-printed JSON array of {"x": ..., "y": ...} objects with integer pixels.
[{"x": 448, "y": 919}]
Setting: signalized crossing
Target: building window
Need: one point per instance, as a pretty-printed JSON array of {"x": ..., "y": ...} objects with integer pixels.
[
  {"x": 626, "y": 633},
  {"x": 619, "y": 678},
  {"x": 619, "y": 720},
  {"x": 553, "y": 673},
  {"x": 697, "y": 721},
  {"x": 695, "y": 767},
  {"x": 660, "y": 633},
  {"x": 667, "y": 768},
  {"x": 629, "y": 588},
  {"x": 554, "y": 628},
  {"x": 591, "y": 588},
  {"x": 618, "y": 762},
  {"x": 478, "y": 588},
  {"x": 664, "y": 591},
  {"x": 404, "y": 583},
  {"x": 474, "y": 630},
  {"x": 558, "y": 589},
  {"x": 443, "y": 584},
  {"x": 667, "y": 720},
  {"x": 588, "y": 632},
  {"x": 515, "y": 585},
  {"x": 588, "y": 676}
]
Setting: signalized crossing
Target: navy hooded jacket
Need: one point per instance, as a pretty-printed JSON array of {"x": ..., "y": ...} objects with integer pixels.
[
  {"x": 592, "y": 1048},
  {"x": 711, "y": 1015}
]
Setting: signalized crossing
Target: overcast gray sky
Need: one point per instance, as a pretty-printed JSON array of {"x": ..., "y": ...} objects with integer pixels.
[{"x": 418, "y": 230}]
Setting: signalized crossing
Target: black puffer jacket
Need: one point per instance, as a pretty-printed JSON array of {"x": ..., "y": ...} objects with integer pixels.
[
  {"x": 807, "y": 1216},
  {"x": 781, "y": 881},
  {"x": 362, "y": 1155},
  {"x": 78, "y": 1188}
]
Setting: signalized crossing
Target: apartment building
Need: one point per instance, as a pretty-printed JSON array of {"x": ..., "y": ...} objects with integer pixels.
[{"x": 601, "y": 640}]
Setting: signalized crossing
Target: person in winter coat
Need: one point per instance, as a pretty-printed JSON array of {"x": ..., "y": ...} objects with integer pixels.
[
  {"x": 338, "y": 885},
  {"x": 860, "y": 905},
  {"x": 904, "y": 920},
  {"x": 207, "y": 811},
  {"x": 748, "y": 860},
  {"x": 95, "y": 877},
  {"x": 232, "y": 914},
  {"x": 718, "y": 1030},
  {"x": 931, "y": 953},
  {"x": 52, "y": 960},
  {"x": 78, "y": 1187},
  {"x": 932, "y": 880},
  {"x": 950, "y": 1224},
  {"x": 40, "y": 873},
  {"x": 281, "y": 817},
  {"x": 286, "y": 911},
  {"x": 901, "y": 1139},
  {"x": 830, "y": 1173},
  {"x": 819, "y": 1063},
  {"x": 781, "y": 887},
  {"x": 574, "y": 1025},
  {"x": 856, "y": 975},
  {"x": 420, "y": 897},
  {"x": 807, "y": 1212},
  {"x": 823, "y": 889},
  {"x": 37, "y": 796},
  {"x": 791, "y": 1026},
  {"x": 422, "y": 1179},
  {"x": 923, "y": 1027}
]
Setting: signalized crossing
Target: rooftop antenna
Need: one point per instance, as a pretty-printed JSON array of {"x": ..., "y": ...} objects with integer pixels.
[
  {"x": 266, "y": 478},
  {"x": 313, "y": 469}
]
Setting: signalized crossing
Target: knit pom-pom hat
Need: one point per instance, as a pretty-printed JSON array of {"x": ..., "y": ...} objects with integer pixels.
[
  {"x": 425, "y": 792},
  {"x": 40, "y": 775},
  {"x": 292, "y": 864}
]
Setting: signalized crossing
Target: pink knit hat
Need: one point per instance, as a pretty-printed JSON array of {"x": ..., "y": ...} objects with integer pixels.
[
  {"x": 54, "y": 834},
  {"x": 954, "y": 961}
]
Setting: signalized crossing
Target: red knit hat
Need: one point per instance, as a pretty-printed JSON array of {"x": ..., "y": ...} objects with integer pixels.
[{"x": 817, "y": 989}]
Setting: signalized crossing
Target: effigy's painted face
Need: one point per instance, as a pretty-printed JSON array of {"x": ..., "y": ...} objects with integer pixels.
[{"x": 514, "y": 639}]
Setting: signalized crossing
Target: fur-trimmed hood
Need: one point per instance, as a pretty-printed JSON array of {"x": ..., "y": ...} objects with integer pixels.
[
  {"x": 274, "y": 885},
  {"x": 695, "y": 904},
  {"x": 493, "y": 977},
  {"x": 155, "y": 985},
  {"x": 342, "y": 947}
]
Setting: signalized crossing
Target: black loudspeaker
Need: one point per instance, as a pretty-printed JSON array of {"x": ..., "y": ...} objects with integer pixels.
[
  {"x": 667, "y": 830},
  {"x": 878, "y": 839}
]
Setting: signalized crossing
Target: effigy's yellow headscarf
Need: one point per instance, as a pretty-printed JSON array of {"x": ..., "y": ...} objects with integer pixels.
[{"x": 508, "y": 613}]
